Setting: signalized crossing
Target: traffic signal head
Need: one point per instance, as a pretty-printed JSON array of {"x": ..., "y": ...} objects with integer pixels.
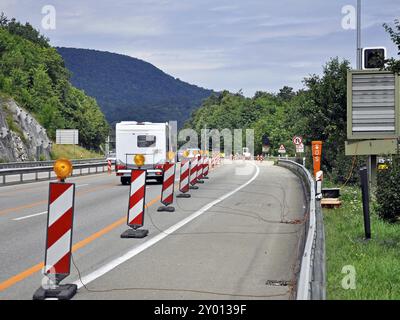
[{"x": 374, "y": 58}]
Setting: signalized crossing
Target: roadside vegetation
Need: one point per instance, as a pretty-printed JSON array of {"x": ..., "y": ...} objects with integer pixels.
[
  {"x": 34, "y": 75},
  {"x": 72, "y": 152},
  {"x": 376, "y": 261}
]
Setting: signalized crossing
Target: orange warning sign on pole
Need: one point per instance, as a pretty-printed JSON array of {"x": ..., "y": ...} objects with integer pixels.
[{"x": 317, "y": 154}]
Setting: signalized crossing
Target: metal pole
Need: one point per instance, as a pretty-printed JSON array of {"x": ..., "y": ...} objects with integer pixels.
[
  {"x": 108, "y": 146},
  {"x": 365, "y": 200},
  {"x": 359, "y": 50}
]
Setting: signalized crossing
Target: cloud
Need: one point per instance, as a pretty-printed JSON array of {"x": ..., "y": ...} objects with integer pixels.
[
  {"x": 234, "y": 44},
  {"x": 224, "y": 8}
]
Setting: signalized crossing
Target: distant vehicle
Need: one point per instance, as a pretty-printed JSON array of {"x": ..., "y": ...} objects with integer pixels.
[
  {"x": 112, "y": 157},
  {"x": 146, "y": 138},
  {"x": 246, "y": 154}
]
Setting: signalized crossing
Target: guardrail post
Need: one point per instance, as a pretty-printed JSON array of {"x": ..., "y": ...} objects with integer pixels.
[
  {"x": 49, "y": 174},
  {"x": 36, "y": 176},
  {"x": 21, "y": 177}
]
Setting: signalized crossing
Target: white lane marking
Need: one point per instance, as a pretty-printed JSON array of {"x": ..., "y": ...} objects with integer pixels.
[
  {"x": 30, "y": 216},
  {"x": 41, "y": 213},
  {"x": 135, "y": 251}
]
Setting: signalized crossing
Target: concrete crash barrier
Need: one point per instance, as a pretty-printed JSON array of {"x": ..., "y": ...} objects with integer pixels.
[{"x": 311, "y": 280}]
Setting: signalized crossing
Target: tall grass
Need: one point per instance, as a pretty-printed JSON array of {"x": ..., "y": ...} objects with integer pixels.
[
  {"x": 72, "y": 152},
  {"x": 376, "y": 262}
]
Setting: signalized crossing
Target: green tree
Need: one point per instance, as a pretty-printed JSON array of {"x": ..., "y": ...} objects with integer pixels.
[
  {"x": 286, "y": 93},
  {"x": 325, "y": 116},
  {"x": 394, "y": 33},
  {"x": 34, "y": 75}
]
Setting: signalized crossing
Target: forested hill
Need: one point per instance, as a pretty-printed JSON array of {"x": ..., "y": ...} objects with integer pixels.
[
  {"x": 33, "y": 74},
  {"x": 127, "y": 88}
]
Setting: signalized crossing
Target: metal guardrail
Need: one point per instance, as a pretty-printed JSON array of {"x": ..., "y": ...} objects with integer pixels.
[
  {"x": 40, "y": 169},
  {"x": 311, "y": 282},
  {"x": 30, "y": 164}
]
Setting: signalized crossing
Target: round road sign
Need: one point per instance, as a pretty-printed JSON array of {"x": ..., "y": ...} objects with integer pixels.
[{"x": 297, "y": 140}]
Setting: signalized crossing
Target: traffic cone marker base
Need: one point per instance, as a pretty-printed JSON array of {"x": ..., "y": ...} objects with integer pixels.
[
  {"x": 183, "y": 195},
  {"x": 135, "y": 234},
  {"x": 205, "y": 178},
  {"x": 200, "y": 181},
  {"x": 194, "y": 187},
  {"x": 166, "y": 209},
  {"x": 62, "y": 292}
]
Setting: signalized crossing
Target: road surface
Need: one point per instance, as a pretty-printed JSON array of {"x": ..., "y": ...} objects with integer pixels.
[{"x": 236, "y": 238}]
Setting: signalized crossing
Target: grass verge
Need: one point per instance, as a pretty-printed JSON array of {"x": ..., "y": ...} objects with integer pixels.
[
  {"x": 376, "y": 262},
  {"x": 72, "y": 152}
]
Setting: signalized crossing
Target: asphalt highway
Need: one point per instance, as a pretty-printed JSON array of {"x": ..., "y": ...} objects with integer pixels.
[{"x": 237, "y": 237}]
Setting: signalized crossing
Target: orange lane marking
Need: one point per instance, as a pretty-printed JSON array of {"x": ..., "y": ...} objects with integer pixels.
[
  {"x": 21, "y": 276},
  {"x": 27, "y": 206},
  {"x": 36, "y": 268},
  {"x": 35, "y": 204}
]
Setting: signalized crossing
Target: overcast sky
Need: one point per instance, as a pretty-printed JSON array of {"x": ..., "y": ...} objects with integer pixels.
[{"x": 218, "y": 44}]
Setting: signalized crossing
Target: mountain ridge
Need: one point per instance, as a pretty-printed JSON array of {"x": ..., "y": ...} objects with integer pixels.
[{"x": 128, "y": 88}]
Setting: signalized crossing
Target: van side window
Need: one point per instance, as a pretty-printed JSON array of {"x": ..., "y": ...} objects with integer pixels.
[{"x": 145, "y": 141}]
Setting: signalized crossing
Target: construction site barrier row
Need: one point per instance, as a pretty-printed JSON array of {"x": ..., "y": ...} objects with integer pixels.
[{"x": 58, "y": 253}]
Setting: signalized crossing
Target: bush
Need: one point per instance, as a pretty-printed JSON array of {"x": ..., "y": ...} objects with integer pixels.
[{"x": 388, "y": 191}]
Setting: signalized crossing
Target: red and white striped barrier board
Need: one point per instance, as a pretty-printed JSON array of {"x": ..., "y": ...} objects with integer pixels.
[
  {"x": 59, "y": 229},
  {"x": 193, "y": 171},
  {"x": 137, "y": 198},
  {"x": 206, "y": 166},
  {"x": 109, "y": 166},
  {"x": 167, "y": 192},
  {"x": 200, "y": 168},
  {"x": 184, "y": 176},
  {"x": 212, "y": 162}
]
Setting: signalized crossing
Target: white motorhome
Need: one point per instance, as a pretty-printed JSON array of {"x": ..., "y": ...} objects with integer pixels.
[{"x": 146, "y": 138}]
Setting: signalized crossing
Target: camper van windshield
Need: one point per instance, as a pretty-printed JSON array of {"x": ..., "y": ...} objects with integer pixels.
[{"x": 145, "y": 141}]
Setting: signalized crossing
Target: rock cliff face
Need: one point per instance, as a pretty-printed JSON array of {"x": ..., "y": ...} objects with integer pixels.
[{"x": 22, "y": 138}]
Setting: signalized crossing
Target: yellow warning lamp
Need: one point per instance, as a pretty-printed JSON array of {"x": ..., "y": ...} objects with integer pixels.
[
  {"x": 201, "y": 152},
  {"x": 195, "y": 152},
  {"x": 139, "y": 160},
  {"x": 207, "y": 152},
  {"x": 170, "y": 155},
  {"x": 62, "y": 169},
  {"x": 186, "y": 153}
]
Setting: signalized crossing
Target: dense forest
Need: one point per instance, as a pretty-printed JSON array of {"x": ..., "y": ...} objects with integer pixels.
[
  {"x": 127, "y": 88},
  {"x": 316, "y": 113},
  {"x": 34, "y": 75}
]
